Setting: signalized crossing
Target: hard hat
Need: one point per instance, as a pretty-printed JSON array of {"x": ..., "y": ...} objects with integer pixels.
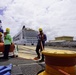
[
  {"x": 7, "y": 30},
  {"x": 40, "y": 29},
  {"x": 0, "y": 33}
]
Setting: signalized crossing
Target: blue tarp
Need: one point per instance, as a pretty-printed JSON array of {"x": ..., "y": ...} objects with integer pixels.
[{"x": 6, "y": 70}]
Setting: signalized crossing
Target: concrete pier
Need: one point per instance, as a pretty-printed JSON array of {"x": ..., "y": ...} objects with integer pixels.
[{"x": 24, "y": 64}]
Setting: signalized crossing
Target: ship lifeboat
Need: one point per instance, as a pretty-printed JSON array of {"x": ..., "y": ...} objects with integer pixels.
[{"x": 2, "y": 47}]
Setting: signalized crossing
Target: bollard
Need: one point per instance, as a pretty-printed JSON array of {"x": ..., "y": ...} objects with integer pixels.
[{"x": 59, "y": 62}]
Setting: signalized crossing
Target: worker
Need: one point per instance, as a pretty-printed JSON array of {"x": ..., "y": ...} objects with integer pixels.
[
  {"x": 1, "y": 38},
  {"x": 7, "y": 43},
  {"x": 40, "y": 45}
]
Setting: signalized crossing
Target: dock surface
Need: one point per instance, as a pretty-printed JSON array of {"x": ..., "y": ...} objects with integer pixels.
[{"x": 25, "y": 64}]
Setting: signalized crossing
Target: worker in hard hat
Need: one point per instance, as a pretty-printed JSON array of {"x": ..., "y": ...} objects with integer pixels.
[
  {"x": 7, "y": 43},
  {"x": 0, "y": 34},
  {"x": 40, "y": 45},
  {"x": 1, "y": 39}
]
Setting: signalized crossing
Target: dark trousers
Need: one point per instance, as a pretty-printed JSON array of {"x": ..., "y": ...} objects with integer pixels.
[
  {"x": 6, "y": 51},
  {"x": 38, "y": 49}
]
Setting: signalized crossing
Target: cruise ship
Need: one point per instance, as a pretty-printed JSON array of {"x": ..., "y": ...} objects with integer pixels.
[{"x": 26, "y": 36}]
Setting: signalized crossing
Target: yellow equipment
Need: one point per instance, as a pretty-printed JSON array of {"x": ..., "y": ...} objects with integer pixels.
[{"x": 59, "y": 62}]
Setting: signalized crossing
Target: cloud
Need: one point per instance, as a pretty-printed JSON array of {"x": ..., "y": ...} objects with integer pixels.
[{"x": 56, "y": 17}]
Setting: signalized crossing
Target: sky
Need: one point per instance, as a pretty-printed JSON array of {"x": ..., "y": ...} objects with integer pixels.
[{"x": 55, "y": 17}]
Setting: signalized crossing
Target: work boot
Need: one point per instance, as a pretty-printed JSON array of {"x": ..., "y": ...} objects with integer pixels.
[
  {"x": 42, "y": 60},
  {"x": 36, "y": 58}
]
